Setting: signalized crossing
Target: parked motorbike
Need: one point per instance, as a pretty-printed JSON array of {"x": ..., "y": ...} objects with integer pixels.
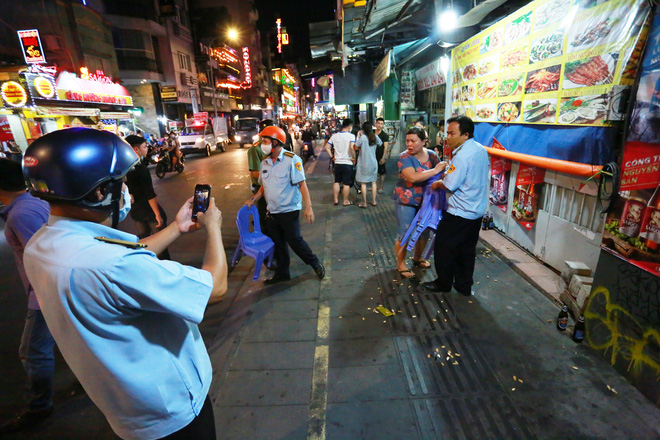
[
  {"x": 164, "y": 164},
  {"x": 306, "y": 151}
]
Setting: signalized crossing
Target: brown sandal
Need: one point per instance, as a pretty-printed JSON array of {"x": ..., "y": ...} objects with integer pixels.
[{"x": 408, "y": 272}]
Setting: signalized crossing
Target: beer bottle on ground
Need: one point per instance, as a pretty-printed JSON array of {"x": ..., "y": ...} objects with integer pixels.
[
  {"x": 562, "y": 319},
  {"x": 579, "y": 329}
]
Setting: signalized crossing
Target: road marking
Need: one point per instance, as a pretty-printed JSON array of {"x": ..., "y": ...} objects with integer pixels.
[{"x": 319, "y": 396}]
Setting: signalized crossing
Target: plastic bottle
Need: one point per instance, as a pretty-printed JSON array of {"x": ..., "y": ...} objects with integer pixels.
[
  {"x": 491, "y": 222},
  {"x": 562, "y": 319},
  {"x": 578, "y": 331}
]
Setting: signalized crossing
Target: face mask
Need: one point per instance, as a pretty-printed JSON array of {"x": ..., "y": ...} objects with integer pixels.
[
  {"x": 123, "y": 212},
  {"x": 267, "y": 149}
]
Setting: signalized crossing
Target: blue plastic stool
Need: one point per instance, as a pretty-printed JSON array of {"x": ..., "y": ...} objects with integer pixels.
[
  {"x": 253, "y": 244},
  {"x": 428, "y": 216}
]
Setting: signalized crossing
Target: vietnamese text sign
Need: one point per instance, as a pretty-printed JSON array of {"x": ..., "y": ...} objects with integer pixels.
[
  {"x": 551, "y": 62},
  {"x": 430, "y": 76},
  {"x": 31, "y": 46}
]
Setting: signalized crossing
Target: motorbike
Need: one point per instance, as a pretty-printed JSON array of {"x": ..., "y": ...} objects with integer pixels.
[
  {"x": 306, "y": 151},
  {"x": 164, "y": 164}
]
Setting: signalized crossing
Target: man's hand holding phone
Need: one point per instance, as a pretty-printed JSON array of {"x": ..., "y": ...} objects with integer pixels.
[{"x": 212, "y": 218}]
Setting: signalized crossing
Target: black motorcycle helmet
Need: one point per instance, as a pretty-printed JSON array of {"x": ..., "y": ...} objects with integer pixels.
[{"x": 66, "y": 166}]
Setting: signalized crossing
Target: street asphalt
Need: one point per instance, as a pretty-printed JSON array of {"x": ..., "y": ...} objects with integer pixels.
[{"x": 310, "y": 359}]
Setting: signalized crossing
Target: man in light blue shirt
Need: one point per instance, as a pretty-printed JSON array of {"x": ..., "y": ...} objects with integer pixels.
[
  {"x": 283, "y": 185},
  {"x": 125, "y": 322},
  {"x": 466, "y": 181}
]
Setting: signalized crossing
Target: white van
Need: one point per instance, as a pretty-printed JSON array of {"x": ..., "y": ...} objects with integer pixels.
[{"x": 204, "y": 137}]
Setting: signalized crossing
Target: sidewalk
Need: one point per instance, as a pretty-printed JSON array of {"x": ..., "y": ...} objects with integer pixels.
[{"x": 310, "y": 359}]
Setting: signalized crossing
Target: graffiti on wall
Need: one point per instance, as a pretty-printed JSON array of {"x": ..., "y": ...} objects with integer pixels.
[{"x": 623, "y": 324}]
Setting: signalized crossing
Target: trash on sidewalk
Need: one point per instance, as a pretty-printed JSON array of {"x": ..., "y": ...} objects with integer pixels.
[
  {"x": 385, "y": 311},
  {"x": 612, "y": 389}
]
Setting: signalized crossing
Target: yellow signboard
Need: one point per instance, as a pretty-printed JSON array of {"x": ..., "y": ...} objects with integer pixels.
[{"x": 551, "y": 62}]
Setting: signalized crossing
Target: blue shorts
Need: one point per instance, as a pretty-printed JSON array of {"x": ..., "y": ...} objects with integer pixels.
[{"x": 405, "y": 215}]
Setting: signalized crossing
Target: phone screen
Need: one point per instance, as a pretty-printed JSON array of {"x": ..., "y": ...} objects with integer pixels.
[{"x": 201, "y": 200}]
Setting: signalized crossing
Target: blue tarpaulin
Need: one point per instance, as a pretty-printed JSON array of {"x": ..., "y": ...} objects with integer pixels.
[{"x": 590, "y": 145}]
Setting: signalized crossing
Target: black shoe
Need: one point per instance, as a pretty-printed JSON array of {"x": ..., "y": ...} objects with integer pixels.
[
  {"x": 434, "y": 287},
  {"x": 277, "y": 278},
  {"x": 320, "y": 271},
  {"x": 25, "y": 420},
  {"x": 470, "y": 293}
]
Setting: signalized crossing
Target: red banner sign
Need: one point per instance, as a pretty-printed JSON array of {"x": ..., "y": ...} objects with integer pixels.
[
  {"x": 640, "y": 168},
  {"x": 31, "y": 45}
]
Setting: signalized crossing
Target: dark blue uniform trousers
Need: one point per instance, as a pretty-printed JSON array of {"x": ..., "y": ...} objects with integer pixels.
[
  {"x": 284, "y": 228},
  {"x": 455, "y": 252}
]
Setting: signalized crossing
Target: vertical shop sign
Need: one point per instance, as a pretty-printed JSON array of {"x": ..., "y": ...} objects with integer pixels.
[
  {"x": 31, "y": 46},
  {"x": 407, "y": 93},
  {"x": 632, "y": 228},
  {"x": 529, "y": 184},
  {"x": 247, "y": 83},
  {"x": 500, "y": 175}
]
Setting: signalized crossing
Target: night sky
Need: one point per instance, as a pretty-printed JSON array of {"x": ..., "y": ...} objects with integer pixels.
[{"x": 296, "y": 16}]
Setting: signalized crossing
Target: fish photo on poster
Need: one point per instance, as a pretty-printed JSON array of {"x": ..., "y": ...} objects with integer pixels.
[{"x": 540, "y": 111}]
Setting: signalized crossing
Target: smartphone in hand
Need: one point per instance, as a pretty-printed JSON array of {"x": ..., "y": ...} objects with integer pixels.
[{"x": 201, "y": 200}]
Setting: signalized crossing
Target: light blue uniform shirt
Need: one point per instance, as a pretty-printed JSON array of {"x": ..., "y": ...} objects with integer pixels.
[
  {"x": 126, "y": 323},
  {"x": 280, "y": 181},
  {"x": 467, "y": 180}
]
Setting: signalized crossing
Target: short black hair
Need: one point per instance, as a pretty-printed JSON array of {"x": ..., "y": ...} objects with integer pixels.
[
  {"x": 465, "y": 125},
  {"x": 11, "y": 176},
  {"x": 380, "y": 119},
  {"x": 346, "y": 123},
  {"x": 134, "y": 140},
  {"x": 420, "y": 132}
]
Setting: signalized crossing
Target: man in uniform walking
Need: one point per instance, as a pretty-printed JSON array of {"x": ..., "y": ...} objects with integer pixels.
[
  {"x": 283, "y": 185},
  {"x": 466, "y": 180}
]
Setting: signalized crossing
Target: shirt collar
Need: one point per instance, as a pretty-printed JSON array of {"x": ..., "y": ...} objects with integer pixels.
[
  {"x": 5, "y": 212},
  {"x": 279, "y": 158},
  {"x": 97, "y": 229}
]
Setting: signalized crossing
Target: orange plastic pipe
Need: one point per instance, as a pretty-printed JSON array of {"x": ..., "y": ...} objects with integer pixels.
[{"x": 562, "y": 166}]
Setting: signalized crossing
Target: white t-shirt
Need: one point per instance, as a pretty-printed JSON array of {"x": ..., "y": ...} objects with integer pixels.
[{"x": 342, "y": 143}]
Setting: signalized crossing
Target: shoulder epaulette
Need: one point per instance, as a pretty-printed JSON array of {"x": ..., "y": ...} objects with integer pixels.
[
  {"x": 128, "y": 244},
  {"x": 289, "y": 154}
]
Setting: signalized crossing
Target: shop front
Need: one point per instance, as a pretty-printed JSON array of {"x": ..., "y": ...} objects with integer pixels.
[
  {"x": 36, "y": 100},
  {"x": 549, "y": 87}
]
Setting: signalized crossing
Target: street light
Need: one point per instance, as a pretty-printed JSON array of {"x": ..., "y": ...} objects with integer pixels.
[{"x": 232, "y": 34}]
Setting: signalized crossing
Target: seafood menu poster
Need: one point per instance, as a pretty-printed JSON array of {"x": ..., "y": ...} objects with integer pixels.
[
  {"x": 529, "y": 184},
  {"x": 632, "y": 227},
  {"x": 551, "y": 62}
]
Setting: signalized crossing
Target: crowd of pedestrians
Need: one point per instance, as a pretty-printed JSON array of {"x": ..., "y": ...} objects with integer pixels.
[{"x": 102, "y": 297}]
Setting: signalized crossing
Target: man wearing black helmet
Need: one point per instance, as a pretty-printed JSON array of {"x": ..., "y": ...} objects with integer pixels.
[{"x": 125, "y": 322}]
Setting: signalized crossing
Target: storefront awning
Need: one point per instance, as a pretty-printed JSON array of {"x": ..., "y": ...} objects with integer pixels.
[{"x": 45, "y": 112}]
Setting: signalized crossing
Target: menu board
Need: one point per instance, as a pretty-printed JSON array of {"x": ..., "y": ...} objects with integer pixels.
[{"x": 551, "y": 62}]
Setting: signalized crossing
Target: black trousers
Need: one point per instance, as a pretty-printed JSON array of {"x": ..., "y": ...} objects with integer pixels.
[
  {"x": 284, "y": 228},
  {"x": 455, "y": 252},
  {"x": 145, "y": 228},
  {"x": 201, "y": 428}
]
